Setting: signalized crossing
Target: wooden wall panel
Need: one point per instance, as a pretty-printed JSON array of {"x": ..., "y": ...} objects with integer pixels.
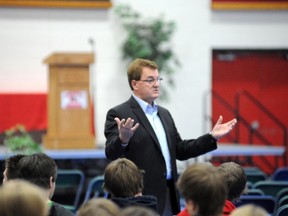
[
  {"x": 249, "y": 5},
  {"x": 57, "y": 3}
]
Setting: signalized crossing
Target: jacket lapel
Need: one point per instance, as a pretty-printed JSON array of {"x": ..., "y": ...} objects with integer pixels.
[
  {"x": 164, "y": 123},
  {"x": 135, "y": 107}
]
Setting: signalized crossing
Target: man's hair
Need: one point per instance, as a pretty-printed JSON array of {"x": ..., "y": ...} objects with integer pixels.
[
  {"x": 38, "y": 169},
  {"x": 235, "y": 178},
  {"x": 18, "y": 197},
  {"x": 122, "y": 178},
  {"x": 99, "y": 207},
  {"x": 134, "y": 71},
  {"x": 203, "y": 184},
  {"x": 12, "y": 166}
]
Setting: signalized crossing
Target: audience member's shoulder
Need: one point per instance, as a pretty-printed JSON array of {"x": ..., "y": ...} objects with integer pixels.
[
  {"x": 147, "y": 201},
  {"x": 59, "y": 210}
]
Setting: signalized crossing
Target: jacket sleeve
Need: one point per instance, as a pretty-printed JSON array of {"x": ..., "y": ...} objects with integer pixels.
[
  {"x": 113, "y": 145},
  {"x": 186, "y": 149},
  {"x": 189, "y": 148}
]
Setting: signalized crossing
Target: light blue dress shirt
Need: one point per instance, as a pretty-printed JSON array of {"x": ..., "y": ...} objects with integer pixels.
[{"x": 151, "y": 114}]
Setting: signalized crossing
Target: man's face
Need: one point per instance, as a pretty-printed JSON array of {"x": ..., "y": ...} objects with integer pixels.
[
  {"x": 5, "y": 176},
  {"x": 148, "y": 87}
]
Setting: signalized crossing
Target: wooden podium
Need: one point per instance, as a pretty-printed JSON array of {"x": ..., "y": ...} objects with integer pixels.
[{"x": 69, "y": 103}]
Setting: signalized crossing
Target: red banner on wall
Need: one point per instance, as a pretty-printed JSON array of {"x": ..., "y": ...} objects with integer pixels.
[{"x": 29, "y": 110}]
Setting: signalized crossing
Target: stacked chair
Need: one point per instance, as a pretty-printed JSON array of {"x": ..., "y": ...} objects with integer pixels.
[
  {"x": 95, "y": 188},
  {"x": 69, "y": 184},
  {"x": 269, "y": 192}
]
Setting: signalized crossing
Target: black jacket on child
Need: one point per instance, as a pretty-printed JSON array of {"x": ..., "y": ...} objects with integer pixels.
[
  {"x": 147, "y": 201},
  {"x": 58, "y": 210}
]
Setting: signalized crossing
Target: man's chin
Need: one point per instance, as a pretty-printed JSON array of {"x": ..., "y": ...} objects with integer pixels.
[
  {"x": 156, "y": 93},
  {"x": 155, "y": 96}
]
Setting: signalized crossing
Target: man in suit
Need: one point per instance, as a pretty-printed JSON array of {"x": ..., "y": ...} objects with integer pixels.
[{"x": 145, "y": 133}]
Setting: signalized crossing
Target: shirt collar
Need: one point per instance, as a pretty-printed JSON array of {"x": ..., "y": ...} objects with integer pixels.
[{"x": 147, "y": 108}]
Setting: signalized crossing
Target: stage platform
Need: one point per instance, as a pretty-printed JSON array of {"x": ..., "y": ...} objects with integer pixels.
[
  {"x": 247, "y": 150},
  {"x": 64, "y": 154},
  {"x": 222, "y": 150}
]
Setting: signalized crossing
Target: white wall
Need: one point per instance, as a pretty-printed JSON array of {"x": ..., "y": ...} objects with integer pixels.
[{"x": 27, "y": 36}]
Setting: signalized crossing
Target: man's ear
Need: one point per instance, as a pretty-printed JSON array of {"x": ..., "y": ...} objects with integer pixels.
[
  {"x": 191, "y": 207},
  {"x": 134, "y": 84},
  {"x": 52, "y": 181}
]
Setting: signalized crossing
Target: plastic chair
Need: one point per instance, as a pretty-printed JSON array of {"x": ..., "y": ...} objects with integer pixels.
[
  {"x": 283, "y": 201},
  {"x": 271, "y": 187},
  {"x": 252, "y": 169},
  {"x": 95, "y": 188},
  {"x": 249, "y": 185},
  {"x": 256, "y": 176},
  {"x": 282, "y": 211},
  {"x": 281, "y": 174},
  {"x": 69, "y": 182},
  {"x": 266, "y": 202},
  {"x": 283, "y": 192},
  {"x": 254, "y": 192}
]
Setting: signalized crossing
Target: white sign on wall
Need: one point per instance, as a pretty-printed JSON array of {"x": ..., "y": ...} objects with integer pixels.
[{"x": 74, "y": 99}]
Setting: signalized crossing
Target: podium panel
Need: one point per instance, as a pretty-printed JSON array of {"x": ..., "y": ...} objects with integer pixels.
[{"x": 69, "y": 103}]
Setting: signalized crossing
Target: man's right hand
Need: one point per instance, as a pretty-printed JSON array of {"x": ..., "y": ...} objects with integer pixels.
[{"x": 126, "y": 129}]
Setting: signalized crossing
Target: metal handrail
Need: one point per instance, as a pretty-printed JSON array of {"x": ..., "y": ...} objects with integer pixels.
[
  {"x": 245, "y": 123},
  {"x": 268, "y": 113}
]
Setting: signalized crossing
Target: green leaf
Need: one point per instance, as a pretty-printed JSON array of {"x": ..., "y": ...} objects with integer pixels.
[
  {"x": 17, "y": 139},
  {"x": 149, "y": 38}
]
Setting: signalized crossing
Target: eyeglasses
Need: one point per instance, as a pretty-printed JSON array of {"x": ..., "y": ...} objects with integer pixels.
[{"x": 152, "y": 80}]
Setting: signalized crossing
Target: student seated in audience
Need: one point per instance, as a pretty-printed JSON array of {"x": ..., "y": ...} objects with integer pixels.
[
  {"x": 41, "y": 170},
  {"x": 11, "y": 167},
  {"x": 235, "y": 179},
  {"x": 138, "y": 211},
  {"x": 203, "y": 189},
  {"x": 123, "y": 180},
  {"x": 99, "y": 207},
  {"x": 249, "y": 210},
  {"x": 18, "y": 197}
]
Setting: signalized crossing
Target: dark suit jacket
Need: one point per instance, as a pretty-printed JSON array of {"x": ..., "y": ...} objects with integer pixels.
[{"x": 144, "y": 149}]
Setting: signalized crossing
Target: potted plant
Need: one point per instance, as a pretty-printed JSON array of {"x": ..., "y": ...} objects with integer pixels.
[
  {"x": 149, "y": 39},
  {"x": 17, "y": 139}
]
